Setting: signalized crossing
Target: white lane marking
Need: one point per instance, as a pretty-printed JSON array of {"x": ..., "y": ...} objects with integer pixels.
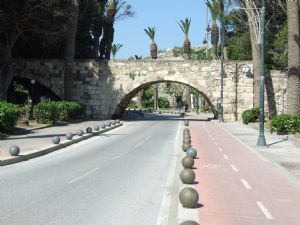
[
  {"x": 234, "y": 168},
  {"x": 82, "y": 176},
  {"x": 226, "y": 157},
  {"x": 220, "y": 149},
  {"x": 147, "y": 138},
  {"x": 216, "y": 143},
  {"x": 138, "y": 145},
  {"x": 212, "y": 139},
  {"x": 246, "y": 184},
  {"x": 119, "y": 156},
  {"x": 265, "y": 210}
]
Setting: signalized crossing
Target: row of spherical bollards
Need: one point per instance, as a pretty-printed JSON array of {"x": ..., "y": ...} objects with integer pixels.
[
  {"x": 188, "y": 196},
  {"x": 14, "y": 150}
]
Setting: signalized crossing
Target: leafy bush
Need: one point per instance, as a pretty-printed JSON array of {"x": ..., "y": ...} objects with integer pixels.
[
  {"x": 285, "y": 124},
  {"x": 132, "y": 105},
  {"x": 9, "y": 115},
  {"x": 163, "y": 103},
  {"x": 50, "y": 111},
  {"x": 250, "y": 115}
]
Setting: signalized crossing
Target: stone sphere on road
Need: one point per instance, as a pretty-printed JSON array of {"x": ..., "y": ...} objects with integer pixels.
[
  {"x": 14, "y": 150},
  {"x": 55, "y": 140},
  {"x": 189, "y": 222},
  {"x": 185, "y": 146},
  {"x": 186, "y": 130},
  {"x": 117, "y": 121},
  {"x": 188, "y": 197},
  {"x": 186, "y": 122},
  {"x": 96, "y": 127},
  {"x": 69, "y": 136},
  {"x": 103, "y": 125},
  {"x": 113, "y": 122},
  {"x": 188, "y": 162},
  {"x": 186, "y": 141},
  {"x": 187, "y": 176},
  {"x": 80, "y": 132},
  {"x": 89, "y": 130},
  {"x": 191, "y": 152},
  {"x": 108, "y": 124}
]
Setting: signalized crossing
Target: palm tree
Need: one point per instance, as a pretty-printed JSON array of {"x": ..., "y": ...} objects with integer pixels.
[
  {"x": 153, "y": 47},
  {"x": 214, "y": 8},
  {"x": 185, "y": 26},
  {"x": 114, "y": 49},
  {"x": 293, "y": 88}
]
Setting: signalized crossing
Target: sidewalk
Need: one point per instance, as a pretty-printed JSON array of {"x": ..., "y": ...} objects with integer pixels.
[{"x": 36, "y": 139}]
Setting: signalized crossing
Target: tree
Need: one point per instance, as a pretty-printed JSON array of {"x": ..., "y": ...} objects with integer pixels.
[
  {"x": 150, "y": 31},
  {"x": 214, "y": 8},
  {"x": 185, "y": 27},
  {"x": 115, "y": 48},
  {"x": 293, "y": 88}
]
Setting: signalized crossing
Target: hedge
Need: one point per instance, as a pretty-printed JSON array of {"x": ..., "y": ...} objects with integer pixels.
[
  {"x": 250, "y": 115},
  {"x": 50, "y": 111},
  {"x": 9, "y": 115},
  {"x": 285, "y": 123}
]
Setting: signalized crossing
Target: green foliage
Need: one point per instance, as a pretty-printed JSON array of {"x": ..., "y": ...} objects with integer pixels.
[
  {"x": 132, "y": 105},
  {"x": 149, "y": 103},
  {"x": 115, "y": 48},
  {"x": 185, "y": 25},
  {"x": 9, "y": 115},
  {"x": 250, "y": 115},
  {"x": 163, "y": 103},
  {"x": 133, "y": 75},
  {"x": 239, "y": 47},
  {"x": 195, "y": 53},
  {"x": 150, "y": 31},
  {"x": 285, "y": 124},
  {"x": 49, "y": 112}
]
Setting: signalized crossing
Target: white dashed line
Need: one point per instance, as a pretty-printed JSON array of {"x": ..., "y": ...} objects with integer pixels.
[
  {"x": 119, "y": 156},
  {"x": 147, "y": 138},
  {"x": 265, "y": 210},
  {"x": 220, "y": 149},
  {"x": 226, "y": 157},
  {"x": 216, "y": 143},
  {"x": 246, "y": 184},
  {"x": 138, "y": 145},
  {"x": 82, "y": 176},
  {"x": 234, "y": 168},
  {"x": 212, "y": 139}
]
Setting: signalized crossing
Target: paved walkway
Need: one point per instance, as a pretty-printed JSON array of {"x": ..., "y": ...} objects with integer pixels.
[{"x": 240, "y": 183}]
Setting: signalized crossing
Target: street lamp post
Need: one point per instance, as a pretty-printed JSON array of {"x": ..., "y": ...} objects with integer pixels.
[
  {"x": 221, "y": 114},
  {"x": 32, "y": 97},
  {"x": 261, "y": 138}
]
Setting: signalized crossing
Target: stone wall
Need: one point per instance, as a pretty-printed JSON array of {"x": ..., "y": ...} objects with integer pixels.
[{"x": 106, "y": 87}]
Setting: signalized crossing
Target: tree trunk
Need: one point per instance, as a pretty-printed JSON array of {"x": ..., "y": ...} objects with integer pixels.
[
  {"x": 96, "y": 41},
  {"x": 6, "y": 74},
  {"x": 293, "y": 87},
  {"x": 225, "y": 53},
  {"x": 155, "y": 89},
  {"x": 188, "y": 97},
  {"x": 70, "y": 52},
  {"x": 139, "y": 99}
]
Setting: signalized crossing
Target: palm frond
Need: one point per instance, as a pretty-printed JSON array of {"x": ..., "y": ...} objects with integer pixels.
[
  {"x": 185, "y": 25},
  {"x": 150, "y": 31}
]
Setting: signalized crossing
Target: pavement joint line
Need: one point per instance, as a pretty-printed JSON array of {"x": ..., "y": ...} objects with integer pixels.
[
  {"x": 265, "y": 211},
  {"x": 234, "y": 168},
  {"x": 226, "y": 157},
  {"x": 82, "y": 176},
  {"x": 119, "y": 156},
  {"x": 246, "y": 184}
]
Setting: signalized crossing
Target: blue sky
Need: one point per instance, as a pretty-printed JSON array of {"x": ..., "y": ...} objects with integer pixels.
[{"x": 164, "y": 15}]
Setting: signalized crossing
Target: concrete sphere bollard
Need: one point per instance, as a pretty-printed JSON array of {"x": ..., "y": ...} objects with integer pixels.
[
  {"x": 55, "y": 140},
  {"x": 69, "y": 136},
  {"x": 185, "y": 146},
  {"x": 189, "y": 222},
  {"x": 188, "y": 162},
  {"x": 186, "y": 123},
  {"x": 186, "y": 130},
  {"x": 191, "y": 152},
  {"x": 187, "y": 176},
  {"x": 103, "y": 125},
  {"x": 96, "y": 128},
  {"x": 186, "y": 141},
  {"x": 113, "y": 122},
  {"x": 189, "y": 197},
  {"x": 88, "y": 130},
  {"x": 14, "y": 150},
  {"x": 108, "y": 124},
  {"x": 117, "y": 121},
  {"x": 79, "y": 132}
]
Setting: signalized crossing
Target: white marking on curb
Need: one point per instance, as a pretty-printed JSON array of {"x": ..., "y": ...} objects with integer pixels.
[
  {"x": 119, "y": 156},
  {"x": 82, "y": 176},
  {"x": 226, "y": 157},
  {"x": 265, "y": 210},
  {"x": 246, "y": 184},
  {"x": 234, "y": 168}
]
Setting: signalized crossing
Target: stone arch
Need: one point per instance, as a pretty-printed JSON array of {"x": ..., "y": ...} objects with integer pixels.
[{"x": 121, "y": 106}]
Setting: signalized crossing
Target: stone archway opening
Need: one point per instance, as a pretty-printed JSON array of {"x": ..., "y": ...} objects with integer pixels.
[{"x": 122, "y": 105}]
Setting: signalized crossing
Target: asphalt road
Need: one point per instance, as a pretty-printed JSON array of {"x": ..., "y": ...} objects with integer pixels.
[{"x": 116, "y": 178}]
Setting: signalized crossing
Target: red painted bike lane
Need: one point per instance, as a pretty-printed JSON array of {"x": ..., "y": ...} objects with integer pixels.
[{"x": 236, "y": 186}]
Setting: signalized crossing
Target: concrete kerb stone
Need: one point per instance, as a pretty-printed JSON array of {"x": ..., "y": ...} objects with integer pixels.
[{"x": 51, "y": 148}]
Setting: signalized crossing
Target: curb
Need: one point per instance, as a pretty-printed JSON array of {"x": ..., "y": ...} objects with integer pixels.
[{"x": 51, "y": 148}]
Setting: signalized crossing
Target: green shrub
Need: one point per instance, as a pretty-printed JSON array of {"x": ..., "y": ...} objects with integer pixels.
[
  {"x": 50, "y": 111},
  {"x": 132, "y": 105},
  {"x": 285, "y": 124},
  {"x": 163, "y": 103},
  {"x": 250, "y": 115},
  {"x": 9, "y": 115}
]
